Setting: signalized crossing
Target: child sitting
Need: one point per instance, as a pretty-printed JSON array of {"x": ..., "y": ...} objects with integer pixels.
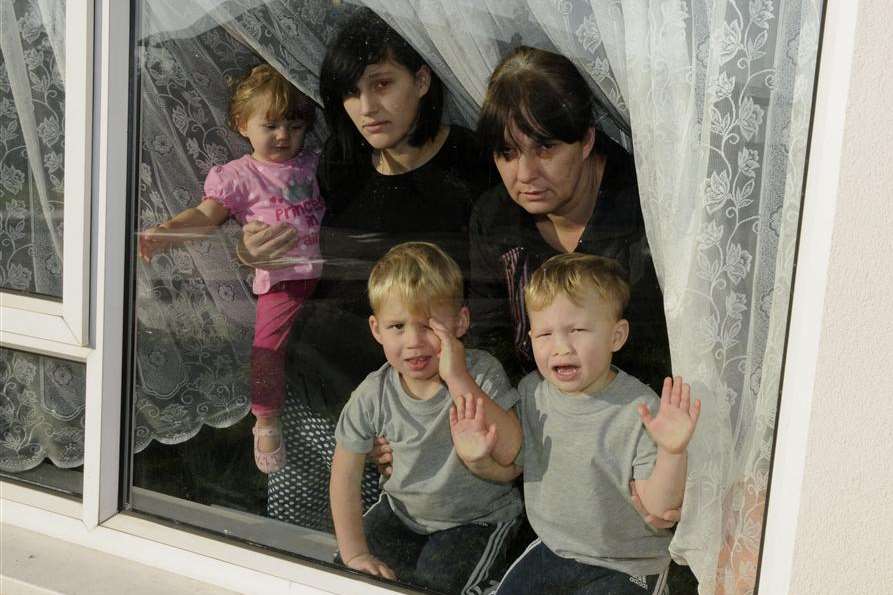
[
  {"x": 436, "y": 525},
  {"x": 588, "y": 429},
  {"x": 275, "y": 184}
]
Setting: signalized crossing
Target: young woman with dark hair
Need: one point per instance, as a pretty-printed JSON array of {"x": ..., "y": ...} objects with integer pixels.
[{"x": 566, "y": 188}]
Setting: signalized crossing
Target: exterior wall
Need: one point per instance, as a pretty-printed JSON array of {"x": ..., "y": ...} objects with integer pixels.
[{"x": 844, "y": 532}]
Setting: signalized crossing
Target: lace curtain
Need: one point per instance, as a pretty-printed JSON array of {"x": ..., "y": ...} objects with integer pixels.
[
  {"x": 32, "y": 126},
  {"x": 41, "y": 398},
  {"x": 715, "y": 97}
]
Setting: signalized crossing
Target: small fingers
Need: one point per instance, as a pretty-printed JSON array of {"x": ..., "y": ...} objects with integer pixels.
[
  {"x": 471, "y": 409},
  {"x": 644, "y": 413},
  {"x": 676, "y": 394},
  {"x": 695, "y": 411},
  {"x": 459, "y": 404}
]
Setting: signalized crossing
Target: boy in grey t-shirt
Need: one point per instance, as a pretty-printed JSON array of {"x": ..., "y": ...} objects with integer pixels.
[
  {"x": 588, "y": 430},
  {"x": 437, "y": 524}
]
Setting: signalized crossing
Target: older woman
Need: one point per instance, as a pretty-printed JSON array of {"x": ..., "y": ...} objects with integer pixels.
[{"x": 566, "y": 188}]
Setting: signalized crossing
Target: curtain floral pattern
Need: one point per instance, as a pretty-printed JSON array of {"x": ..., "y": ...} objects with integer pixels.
[
  {"x": 32, "y": 147},
  {"x": 714, "y": 96},
  {"x": 41, "y": 411}
]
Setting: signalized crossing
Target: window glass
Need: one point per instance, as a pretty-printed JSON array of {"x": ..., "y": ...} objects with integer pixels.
[
  {"x": 32, "y": 146},
  {"x": 265, "y": 327},
  {"x": 42, "y": 420}
]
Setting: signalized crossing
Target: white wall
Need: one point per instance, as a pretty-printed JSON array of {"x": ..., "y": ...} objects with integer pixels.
[{"x": 844, "y": 537}]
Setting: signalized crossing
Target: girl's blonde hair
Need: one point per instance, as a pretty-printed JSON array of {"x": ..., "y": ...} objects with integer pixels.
[
  {"x": 577, "y": 276},
  {"x": 420, "y": 274},
  {"x": 285, "y": 101}
]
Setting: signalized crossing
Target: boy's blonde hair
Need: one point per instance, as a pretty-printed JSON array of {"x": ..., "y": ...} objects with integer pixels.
[
  {"x": 576, "y": 276},
  {"x": 285, "y": 101},
  {"x": 420, "y": 274}
]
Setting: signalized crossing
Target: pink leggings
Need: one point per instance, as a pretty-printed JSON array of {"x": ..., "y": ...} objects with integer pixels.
[{"x": 276, "y": 312}]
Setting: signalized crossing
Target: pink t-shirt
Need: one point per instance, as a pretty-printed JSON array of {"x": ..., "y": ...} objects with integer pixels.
[{"x": 273, "y": 193}]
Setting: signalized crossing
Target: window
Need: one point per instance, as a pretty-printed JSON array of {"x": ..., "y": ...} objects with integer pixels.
[
  {"x": 45, "y": 89},
  {"x": 726, "y": 304}
]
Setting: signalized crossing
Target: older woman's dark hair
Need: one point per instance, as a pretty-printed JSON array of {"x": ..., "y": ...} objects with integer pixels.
[
  {"x": 363, "y": 40},
  {"x": 542, "y": 94}
]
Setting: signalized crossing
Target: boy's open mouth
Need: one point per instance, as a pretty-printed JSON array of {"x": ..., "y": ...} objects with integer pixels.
[
  {"x": 418, "y": 363},
  {"x": 565, "y": 372}
]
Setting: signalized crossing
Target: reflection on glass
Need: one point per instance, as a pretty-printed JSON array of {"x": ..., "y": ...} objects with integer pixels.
[
  {"x": 41, "y": 420},
  {"x": 709, "y": 207},
  {"x": 32, "y": 146}
]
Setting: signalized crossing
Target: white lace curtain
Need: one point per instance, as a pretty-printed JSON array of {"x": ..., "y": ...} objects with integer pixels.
[
  {"x": 715, "y": 98},
  {"x": 41, "y": 398}
]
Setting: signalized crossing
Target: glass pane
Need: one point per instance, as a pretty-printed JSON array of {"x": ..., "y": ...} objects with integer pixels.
[
  {"x": 701, "y": 218},
  {"x": 42, "y": 420},
  {"x": 32, "y": 146}
]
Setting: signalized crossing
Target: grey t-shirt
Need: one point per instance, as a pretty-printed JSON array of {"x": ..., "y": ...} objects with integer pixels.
[
  {"x": 430, "y": 488},
  {"x": 579, "y": 455}
]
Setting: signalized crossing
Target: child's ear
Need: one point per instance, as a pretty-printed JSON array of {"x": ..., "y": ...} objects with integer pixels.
[
  {"x": 620, "y": 334},
  {"x": 463, "y": 321},
  {"x": 373, "y": 326}
]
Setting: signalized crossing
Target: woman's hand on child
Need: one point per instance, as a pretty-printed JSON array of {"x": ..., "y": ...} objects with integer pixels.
[
  {"x": 664, "y": 520},
  {"x": 452, "y": 353},
  {"x": 382, "y": 456},
  {"x": 473, "y": 438},
  {"x": 672, "y": 427},
  {"x": 264, "y": 244},
  {"x": 371, "y": 565}
]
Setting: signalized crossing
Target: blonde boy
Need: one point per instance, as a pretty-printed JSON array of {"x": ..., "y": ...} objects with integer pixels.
[
  {"x": 436, "y": 524},
  {"x": 588, "y": 432}
]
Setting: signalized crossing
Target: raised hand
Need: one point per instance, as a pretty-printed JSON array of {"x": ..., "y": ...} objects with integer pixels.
[
  {"x": 676, "y": 418},
  {"x": 452, "y": 352},
  {"x": 473, "y": 438},
  {"x": 371, "y": 565}
]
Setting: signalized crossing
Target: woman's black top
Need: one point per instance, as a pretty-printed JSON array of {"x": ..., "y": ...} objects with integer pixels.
[
  {"x": 368, "y": 213},
  {"x": 506, "y": 248}
]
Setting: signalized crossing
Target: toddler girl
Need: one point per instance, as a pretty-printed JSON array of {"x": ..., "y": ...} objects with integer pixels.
[{"x": 275, "y": 184}]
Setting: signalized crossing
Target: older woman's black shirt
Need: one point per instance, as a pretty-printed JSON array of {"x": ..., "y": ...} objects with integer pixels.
[{"x": 506, "y": 248}]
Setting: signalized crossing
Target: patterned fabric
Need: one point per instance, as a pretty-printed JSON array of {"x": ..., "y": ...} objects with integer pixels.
[{"x": 299, "y": 494}]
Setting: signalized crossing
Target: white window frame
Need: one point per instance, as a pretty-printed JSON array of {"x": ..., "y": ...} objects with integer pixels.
[
  {"x": 232, "y": 566},
  {"x": 43, "y": 325}
]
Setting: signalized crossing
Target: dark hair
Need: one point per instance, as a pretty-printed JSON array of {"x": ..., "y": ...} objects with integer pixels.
[
  {"x": 363, "y": 40},
  {"x": 285, "y": 101},
  {"x": 542, "y": 94}
]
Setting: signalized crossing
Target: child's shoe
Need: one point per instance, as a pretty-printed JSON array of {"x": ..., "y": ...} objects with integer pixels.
[{"x": 269, "y": 462}]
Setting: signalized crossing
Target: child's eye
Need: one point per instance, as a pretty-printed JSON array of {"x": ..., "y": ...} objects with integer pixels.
[
  {"x": 507, "y": 154},
  {"x": 352, "y": 93},
  {"x": 297, "y": 126},
  {"x": 543, "y": 335},
  {"x": 578, "y": 330},
  {"x": 382, "y": 84},
  {"x": 398, "y": 326}
]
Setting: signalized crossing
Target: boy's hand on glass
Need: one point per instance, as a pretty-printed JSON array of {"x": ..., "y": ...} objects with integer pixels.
[
  {"x": 473, "y": 438},
  {"x": 265, "y": 244},
  {"x": 672, "y": 427},
  {"x": 664, "y": 520},
  {"x": 382, "y": 456},
  {"x": 452, "y": 353},
  {"x": 371, "y": 565}
]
